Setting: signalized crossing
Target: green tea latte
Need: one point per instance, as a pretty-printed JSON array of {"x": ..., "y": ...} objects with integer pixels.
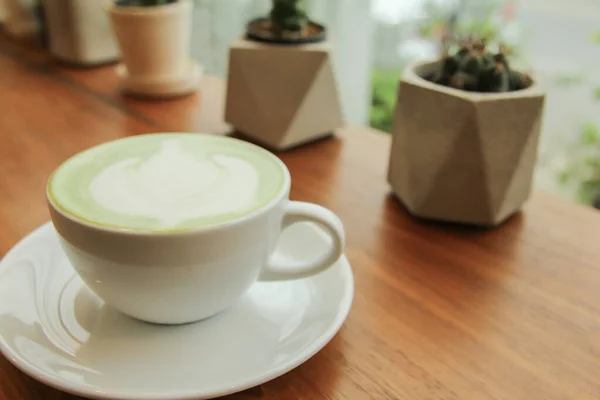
[{"x": 167, "y": 181}]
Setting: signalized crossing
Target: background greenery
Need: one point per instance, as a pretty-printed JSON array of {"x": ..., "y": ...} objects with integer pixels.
[
  {"x": 583, "y": 171},
  {"x": 383, "y": 101}
]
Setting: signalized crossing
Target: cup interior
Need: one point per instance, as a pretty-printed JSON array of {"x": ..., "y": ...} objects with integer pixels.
[{"x": 267, "y": 199}]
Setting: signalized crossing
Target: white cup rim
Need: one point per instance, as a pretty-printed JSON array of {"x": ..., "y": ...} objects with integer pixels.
[{"x": 134, "y": 232}]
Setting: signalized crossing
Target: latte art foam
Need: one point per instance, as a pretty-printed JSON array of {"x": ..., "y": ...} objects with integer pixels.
[
  {"x": 173, "y": 186},
  {"x": 167, "y": 181}
]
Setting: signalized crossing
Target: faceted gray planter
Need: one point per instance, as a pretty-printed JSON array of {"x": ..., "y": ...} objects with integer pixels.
[
  {"x": 282, "y": 96},
  {"x": 460, "y": 156}
]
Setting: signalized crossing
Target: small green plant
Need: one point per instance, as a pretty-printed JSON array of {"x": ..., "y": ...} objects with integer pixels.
[
  {"x": 474, "y": 68},
  {"x": 289, "y": 16},
  {"x": 287, "y": 23}
]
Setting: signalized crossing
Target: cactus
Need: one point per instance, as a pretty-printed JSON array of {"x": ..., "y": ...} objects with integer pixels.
[
  {"x": 474, "y": 68},
  {"x": 287, "y": 23},
  {"x": 288, "y": 16}
]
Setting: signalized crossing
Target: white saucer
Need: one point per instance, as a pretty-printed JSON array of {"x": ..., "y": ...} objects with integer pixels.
[
  {"x": 55, "y": 330},
  {"x": 180, "y": 86}
]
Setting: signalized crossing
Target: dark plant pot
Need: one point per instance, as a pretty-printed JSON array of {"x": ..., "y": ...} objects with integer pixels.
[{"x": 258, "y": 30}]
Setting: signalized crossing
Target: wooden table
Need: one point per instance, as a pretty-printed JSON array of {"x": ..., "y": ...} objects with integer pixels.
[{"x": 440, "y": 312}]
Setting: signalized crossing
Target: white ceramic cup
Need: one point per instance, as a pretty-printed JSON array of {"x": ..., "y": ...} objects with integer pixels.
[{"x": 180, "y": 277}]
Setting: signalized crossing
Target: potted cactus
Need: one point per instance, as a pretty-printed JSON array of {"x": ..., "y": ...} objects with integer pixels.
[
  {"x": 476, "y": 69},
  {"x": 281, "y": 88},
  {"x": 154, "y": 42},
  {"x": 465, "y": 136},
  {"x": 288, "y": 22}
]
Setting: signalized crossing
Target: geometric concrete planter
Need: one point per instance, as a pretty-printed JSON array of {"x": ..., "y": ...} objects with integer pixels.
[
  {"x": 282, "y": 96},
  {"x": 461, "y": 156}
]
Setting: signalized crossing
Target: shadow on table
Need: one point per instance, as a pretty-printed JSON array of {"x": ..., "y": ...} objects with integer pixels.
[
  {"x": 445, "y": 271},
  {"x": 312, "y": 142},
  {"x": 509, "y": 229}
]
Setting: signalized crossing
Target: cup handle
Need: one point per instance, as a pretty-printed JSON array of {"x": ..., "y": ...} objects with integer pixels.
[{"x": 295, "y": 212}]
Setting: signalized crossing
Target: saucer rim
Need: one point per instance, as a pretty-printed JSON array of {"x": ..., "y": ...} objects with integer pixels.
[
  {"x": 158, "y": 88},
  {"x": 85, "y": 391}
]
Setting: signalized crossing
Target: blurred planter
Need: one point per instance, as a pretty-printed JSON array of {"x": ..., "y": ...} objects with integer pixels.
[
  {"x": 461, "y": 156},
  {"x": 20, "y": 19},
  {"x": 282, "y": 96},
  {"x": 154, "y": 43},
  {"x": 79, "y": 32}
]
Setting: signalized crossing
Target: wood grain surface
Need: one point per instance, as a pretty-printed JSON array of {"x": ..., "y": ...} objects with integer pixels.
[{"x": 440, "y": 311}]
